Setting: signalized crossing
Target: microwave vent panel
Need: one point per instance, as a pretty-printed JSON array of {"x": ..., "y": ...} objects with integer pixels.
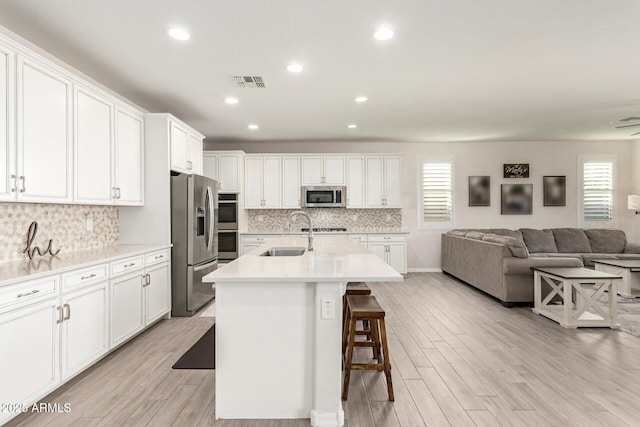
[{"x": 249, "y": 82}]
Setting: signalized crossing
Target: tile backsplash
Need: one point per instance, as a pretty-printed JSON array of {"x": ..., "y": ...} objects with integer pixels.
[
  {"x": 65, "y": 224},
  {"x": 356, "y": 220}
]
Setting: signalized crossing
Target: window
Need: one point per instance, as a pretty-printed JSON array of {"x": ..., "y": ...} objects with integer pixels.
[
  {"x": 436, "y": 201},
  {"x": 596, "y": 192}
]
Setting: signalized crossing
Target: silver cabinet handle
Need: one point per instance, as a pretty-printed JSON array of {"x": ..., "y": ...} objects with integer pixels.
[
  {"x": 68, "y": 316},
  {"x": 144, "y": 280},
  {"x": 24, "y": 184},
  {"x": 189, "y": 165},
  {"x": 117, "y": 192},
  {"x": 148, "y": 279},
  {"x": 15, "y": 183},
  {"x": 60, "y": 317},
  {"x": 129, "y": 265},
  {"x": 159, "y": 256},
  {"x": 35, "y": 291},
  {"x": 92, "y": 275}
]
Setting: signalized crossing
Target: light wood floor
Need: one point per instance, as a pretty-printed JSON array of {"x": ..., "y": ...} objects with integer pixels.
[{"x": 458, "y": 358}]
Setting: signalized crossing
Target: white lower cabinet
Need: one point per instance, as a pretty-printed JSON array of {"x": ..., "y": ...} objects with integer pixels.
[
  {"x": 126, "y": 307},
  {"x": 85, "y": 328},
  {"x": 30, "y": 354},
  {"x": 157, "y": 292},
  {"x": 391, "y": 248}
]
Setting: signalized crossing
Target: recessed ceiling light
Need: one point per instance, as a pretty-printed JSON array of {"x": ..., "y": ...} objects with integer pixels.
[
  {"x": 361, "y": 99},
  {"x": 352, "y": 126},
  {"x": 231, "y": 100},
  {"x": 179, "y": 34},
  {"x": 295, "y": 68},
  {"x": 383, "y": 34},
  {"x": 253, "y": 127}
]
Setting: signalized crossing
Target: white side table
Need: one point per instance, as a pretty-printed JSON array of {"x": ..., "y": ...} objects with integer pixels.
[
  {"x": 588, "y": 284},
  {"x": 628, "y": 269}
]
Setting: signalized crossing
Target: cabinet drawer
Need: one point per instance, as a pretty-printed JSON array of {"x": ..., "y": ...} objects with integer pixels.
[
  {"x": 260, "y": 239},
  {"x": 27, "y": 292},
  {"x": 362, "y": 238},
  {"x": 87, "y": 275},
  {"x": 127, "y": 265},
  {"x": 157, "y": 257},
  {"x": 386, "y": 238}
]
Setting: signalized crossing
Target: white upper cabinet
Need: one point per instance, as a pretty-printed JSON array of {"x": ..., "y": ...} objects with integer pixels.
[
  {"x": 44, "y": 156},
  {"x": 263, "y": 182},
  {"x": 290, "y": 182},
  {"x": 383, "y": 182},
  {"x": 7, "y": 140},
  {"x": 179, "y": 148},
  {"x": 355, "y": 182},
  {"x": 210, "y": 165},
  {"x": 93, "y": 147},
  {"x": 129, "y": 158},
  {"x": 323, "y": 170},
  {"x": 186, "y": 148},
  {"x": 226, "y": 168},
  {"x": 194, "y": 154}
]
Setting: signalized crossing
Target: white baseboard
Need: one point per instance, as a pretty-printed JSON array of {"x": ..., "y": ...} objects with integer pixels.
[
  {"x": 424, "y": 270},
  {"x": 327, "y": 419}
]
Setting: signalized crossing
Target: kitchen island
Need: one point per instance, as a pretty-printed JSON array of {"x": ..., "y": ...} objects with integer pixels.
[{"x": 279, "y": 329}]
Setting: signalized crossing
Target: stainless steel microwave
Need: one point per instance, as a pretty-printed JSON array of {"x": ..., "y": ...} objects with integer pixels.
[{"x": 324, "y": 197}]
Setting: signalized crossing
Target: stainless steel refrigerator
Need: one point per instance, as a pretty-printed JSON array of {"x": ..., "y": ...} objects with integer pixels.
[{"x": 194, "y": 234}]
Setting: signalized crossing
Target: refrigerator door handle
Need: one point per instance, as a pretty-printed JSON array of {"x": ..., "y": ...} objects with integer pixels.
[
  {"x": 211, "y": 218},
  {"x": 205, "y": 266}
]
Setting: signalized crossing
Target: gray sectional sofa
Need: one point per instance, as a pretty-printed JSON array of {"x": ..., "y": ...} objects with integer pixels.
[{"x": 499, "y": 261}]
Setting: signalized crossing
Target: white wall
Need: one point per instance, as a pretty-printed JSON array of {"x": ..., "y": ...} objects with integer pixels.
[
  {"x": 480, "y": 158},
  {"x": 635, "y": 187}
]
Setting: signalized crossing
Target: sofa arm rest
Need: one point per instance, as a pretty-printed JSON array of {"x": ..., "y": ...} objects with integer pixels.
[
  {"x": 524, "y": 265},
  {"x": 632, "y": 248}
]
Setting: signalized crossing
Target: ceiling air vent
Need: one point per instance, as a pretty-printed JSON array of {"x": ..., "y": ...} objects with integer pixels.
[{"x": 249, "y": 82}]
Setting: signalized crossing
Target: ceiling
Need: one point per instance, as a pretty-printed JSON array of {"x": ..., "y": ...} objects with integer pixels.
[{"x": 467, "y": 70}]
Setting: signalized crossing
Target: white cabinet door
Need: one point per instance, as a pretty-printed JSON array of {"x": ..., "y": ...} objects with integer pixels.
[
  {"x": 312, "y": 170},
  {"x": 129, "y": 158},
  {"x": 253, "y": 182},
  {"x": 290, "y": 182},
  {"x": 93, "y": 142},
  {"x": 127, "y": 317},
  {"x": 7, "y": 140},
  {"x": 397, "y": 256},
  {"x": 379, "y": 249},
  {"x": 210, "y": 166},
  {"x": 157, "y": 293},
  {"x": 229, "y": 172},
  {"x": 355, "y": 182},
  {"x": 272, "y": 182},
  {"x": 248, "y": 247},
  {"x": 179, "y": 148},
  {"x": 30, "y": 352},
  {"x": 194, "y": 160},
  {"x": 334, "y": 168},
  {"x": 375, "y": 182},
  {"x": 393, "y": 182},
  {"x": 44, "y": 134},
  {"x": 85, "y": 329}
]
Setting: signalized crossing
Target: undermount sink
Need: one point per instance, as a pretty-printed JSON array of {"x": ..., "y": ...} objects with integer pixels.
[{"x": 284, "y": 252}]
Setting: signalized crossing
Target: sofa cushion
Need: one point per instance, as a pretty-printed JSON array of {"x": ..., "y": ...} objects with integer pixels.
[
  {"x": 632, "y": 248},
  {"x": 523, "y": 265},
  {"x": 458, "y": 233},
  {"x": 539, "y": 240},
  {"x": 587, "y": 259},
  {"x": 476, "y": 235},
  {"x": 606, "y": 241},
  {"x": 571, "y": 240},
  {"x": 516, "y": 247},
  {"x": 516, "y": 234}
]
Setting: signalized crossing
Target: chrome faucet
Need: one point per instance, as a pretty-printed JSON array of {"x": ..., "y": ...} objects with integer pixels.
[{"x": 291, "y": 217}]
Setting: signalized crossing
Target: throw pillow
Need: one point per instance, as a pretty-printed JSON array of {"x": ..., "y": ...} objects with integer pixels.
[
  {"x": 475, "y": 235},
  {"x": 539, "y": 241},
  {"x": 516, "y": 247},
  {"x": 606, "y": 241},
  {"x": 571, "y": 240},
  {"x": 459, "y": 233}
]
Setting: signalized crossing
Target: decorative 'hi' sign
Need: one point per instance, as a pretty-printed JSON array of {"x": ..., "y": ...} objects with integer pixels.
[
  {"x": 31, "y": 236},
  {"x": 516, "y": 170}
]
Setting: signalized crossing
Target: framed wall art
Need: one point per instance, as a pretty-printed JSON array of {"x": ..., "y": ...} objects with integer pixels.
[
  {"x": 479, "y": 191},
  {"x": 517, "y": 199},
  {"x": 515, "y": 170},
  {"x": 555, "y": 190}
]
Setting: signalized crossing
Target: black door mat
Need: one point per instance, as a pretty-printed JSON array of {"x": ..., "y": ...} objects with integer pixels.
[{"x": 201, "y": 355}]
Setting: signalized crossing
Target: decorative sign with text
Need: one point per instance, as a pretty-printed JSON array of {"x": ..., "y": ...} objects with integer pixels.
[
  {"x": 516, "y": 170},
  {"x": 31, "y": 236}
]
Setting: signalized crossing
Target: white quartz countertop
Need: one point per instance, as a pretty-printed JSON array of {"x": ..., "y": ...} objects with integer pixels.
[
  {"x": 332, "y": 260},
  {"x": 15, "y": 271},
  {"x": 327, "y": 233}
]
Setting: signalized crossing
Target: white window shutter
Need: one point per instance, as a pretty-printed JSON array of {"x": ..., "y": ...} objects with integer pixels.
[
  {"x": 597, "y": 191},
  {"x": 437, "y": 193}
]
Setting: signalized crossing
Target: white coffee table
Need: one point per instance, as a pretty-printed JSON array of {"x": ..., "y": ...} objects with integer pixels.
[
  {"x": 628, "y": 269},
  {"x": 589, "y": 285}
]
